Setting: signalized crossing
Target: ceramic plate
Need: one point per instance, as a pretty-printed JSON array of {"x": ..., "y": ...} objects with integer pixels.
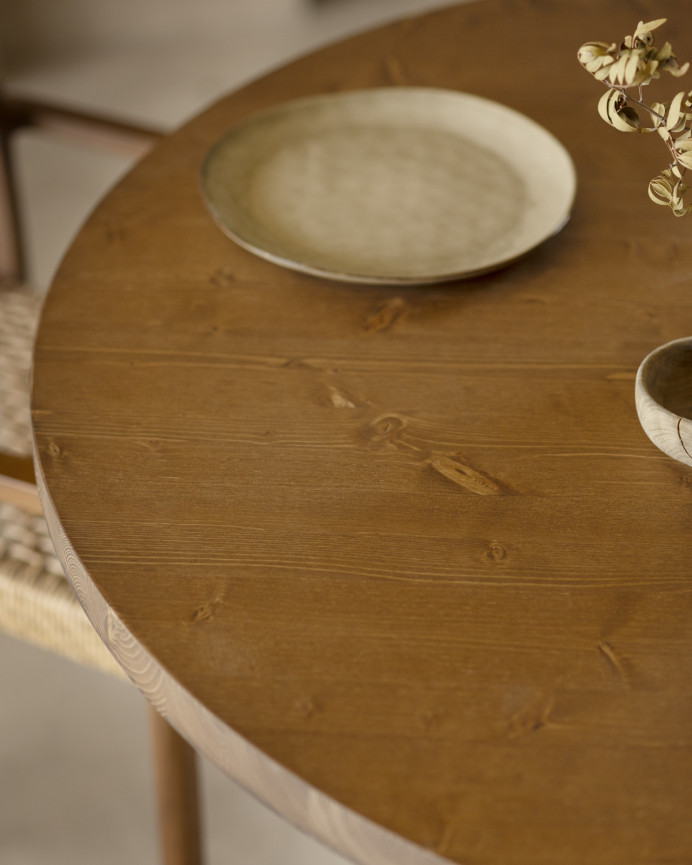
[{"x": 395, "y": 185}]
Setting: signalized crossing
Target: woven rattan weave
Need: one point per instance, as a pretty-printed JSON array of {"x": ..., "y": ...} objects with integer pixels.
[{"x": 37, "y": 604}]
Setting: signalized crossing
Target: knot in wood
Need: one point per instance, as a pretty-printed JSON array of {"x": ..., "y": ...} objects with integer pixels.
[
  {"x": 467, "y": 476},
  {"x": 308, "y": 707},
  {"x": 206, "y": 611},
  {"x": 223, "y": 276},
  {"x": 531, "y": 718},
  {"x": 386, "y": 428},
  {"x": 496, "y": 552},
  {"x": 54, "y": 450},
  {"x": 385, "y": 316}
]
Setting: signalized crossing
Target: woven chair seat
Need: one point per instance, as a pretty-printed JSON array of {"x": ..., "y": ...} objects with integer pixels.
[
  {"x": 19, "y": 313},
  {"x": 37, "y": 604}
]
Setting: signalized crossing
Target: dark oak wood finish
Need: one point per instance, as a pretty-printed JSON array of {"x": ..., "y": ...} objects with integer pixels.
[{"x": 402, "y": 561}]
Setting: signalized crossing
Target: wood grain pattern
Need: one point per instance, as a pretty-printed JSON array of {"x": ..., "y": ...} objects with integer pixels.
[
  {"x": 402, "y": 561},
  {"x": 282, "y": 790}
]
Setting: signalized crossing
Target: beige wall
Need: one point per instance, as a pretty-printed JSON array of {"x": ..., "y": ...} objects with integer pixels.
[{"x": 32, "y": 27}]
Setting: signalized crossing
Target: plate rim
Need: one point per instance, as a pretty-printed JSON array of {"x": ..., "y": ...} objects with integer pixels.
[{"x": 289, "y": 106}]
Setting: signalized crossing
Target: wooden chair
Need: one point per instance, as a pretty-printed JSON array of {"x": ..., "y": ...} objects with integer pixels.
[
  {"x": 19, "y": 113},
  {"x": 37, "y": 604}
]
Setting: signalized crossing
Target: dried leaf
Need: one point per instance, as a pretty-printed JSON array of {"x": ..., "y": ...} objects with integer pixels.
[
  {"x": 602, "y": 73},
  {"x": 618, "y": 70},
  {"x": 685, "y": 159},
  {"x": 636, "y": 62},
  {"x": 598, "y": 63},
  {"x": 603, "y": 105},
  {"x": 631, "y": 69},
  {"x": 591, "y": 51},
  {"x": 658, "y": 113},
  {"x": 659, "y": 194},
  {"x": 613, "y": 108},
  {"x": 675, "y": 110},
  {"x": 643, "y": 28},
  {"x": 678, "y": 71},
  {"x": 630, "y": 118},
  {"x": 667, "y": 190},
  {"x": 666, "y": 52}
]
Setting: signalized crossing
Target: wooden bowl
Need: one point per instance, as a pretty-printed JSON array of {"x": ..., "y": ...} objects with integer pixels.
[{"x": 663, "y": 395}]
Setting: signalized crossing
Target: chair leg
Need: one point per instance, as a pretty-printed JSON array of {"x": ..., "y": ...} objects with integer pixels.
[
  {"x": 11, "y": 252},
  {"x": 178, "y": 798},
  {"x": 93, "y": 129}
]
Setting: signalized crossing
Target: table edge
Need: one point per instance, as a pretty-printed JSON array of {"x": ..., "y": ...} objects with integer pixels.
[{"x": 310, "y": 810}]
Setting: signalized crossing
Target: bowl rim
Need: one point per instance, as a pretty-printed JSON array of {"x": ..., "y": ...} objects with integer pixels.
[{"x": 641, "y": 387}]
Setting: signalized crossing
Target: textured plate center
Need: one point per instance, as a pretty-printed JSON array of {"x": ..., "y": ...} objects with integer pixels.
[{"x": 366, "y": 199}]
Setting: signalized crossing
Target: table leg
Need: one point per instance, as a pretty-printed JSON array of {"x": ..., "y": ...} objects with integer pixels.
[{"x": 175, "y": 765}]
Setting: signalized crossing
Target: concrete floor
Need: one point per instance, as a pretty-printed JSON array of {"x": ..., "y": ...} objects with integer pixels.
[{"x": 75, "y": 781}]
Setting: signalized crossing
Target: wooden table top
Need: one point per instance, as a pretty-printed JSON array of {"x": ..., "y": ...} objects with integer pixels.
[{"x": 400, "y": 560}]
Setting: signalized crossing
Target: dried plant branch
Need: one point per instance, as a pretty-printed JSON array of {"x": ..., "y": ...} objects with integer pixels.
[{"x": 632, "y": 65}]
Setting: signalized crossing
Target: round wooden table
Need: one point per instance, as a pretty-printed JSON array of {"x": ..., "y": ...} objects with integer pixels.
[{"x": 401, "y": 560}]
